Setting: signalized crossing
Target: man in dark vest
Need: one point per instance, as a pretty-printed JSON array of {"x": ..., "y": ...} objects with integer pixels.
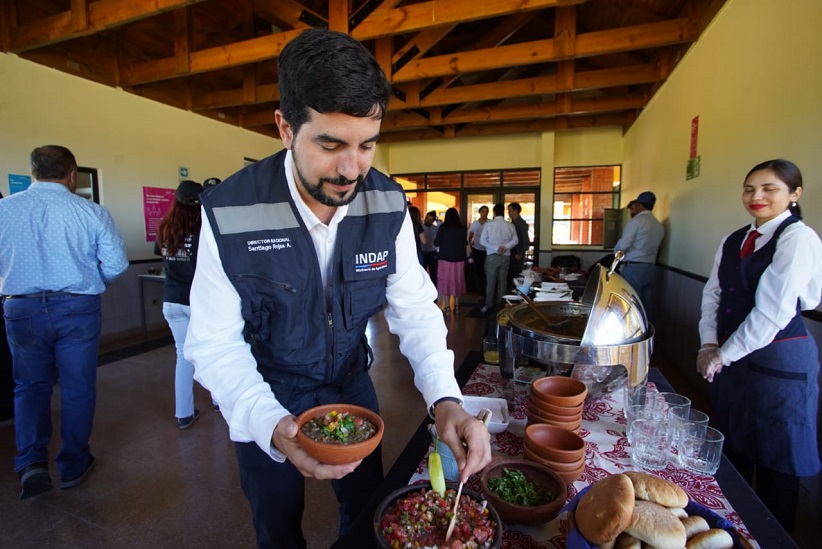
[{"x": 297, "y": 252}]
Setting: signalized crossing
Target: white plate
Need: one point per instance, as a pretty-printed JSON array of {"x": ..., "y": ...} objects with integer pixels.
[
  {"x": 498, "y": 407},
  {"x": 512, "y": 297},
  {"x": 553, "y": 286},
  {"x": 543, "y": 298},
  {"x": 573, "y": 276}
]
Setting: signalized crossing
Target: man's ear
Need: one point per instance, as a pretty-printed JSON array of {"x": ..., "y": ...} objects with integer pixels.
[{"x": 286, "y": 132}]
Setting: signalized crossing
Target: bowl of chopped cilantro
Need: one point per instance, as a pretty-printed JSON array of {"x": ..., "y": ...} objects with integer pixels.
[
  {"x": 339, "y": 433},
  {"x": 522, "y": 491}
]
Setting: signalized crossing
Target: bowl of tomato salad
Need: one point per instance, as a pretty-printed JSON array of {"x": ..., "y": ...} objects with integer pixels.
[
  {"x": 339, "y": 433},
  {"x": 417, "y": 516}
]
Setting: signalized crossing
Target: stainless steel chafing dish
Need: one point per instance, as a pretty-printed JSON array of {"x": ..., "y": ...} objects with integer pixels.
[{"x": 602, "y": 340}]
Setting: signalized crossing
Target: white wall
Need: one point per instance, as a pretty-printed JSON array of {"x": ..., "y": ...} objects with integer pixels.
[
  {"x": 132, "y": 141},
  {"x": 753, "y": 80}
]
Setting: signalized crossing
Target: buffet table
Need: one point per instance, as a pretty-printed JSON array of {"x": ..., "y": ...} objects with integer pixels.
[{"x": 603, "y": 429}]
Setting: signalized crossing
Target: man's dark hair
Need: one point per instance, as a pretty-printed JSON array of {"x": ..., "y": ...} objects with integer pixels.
[
  {"x": 499, "y": 210},
  {"x": 51, "y": 163},
  {"x": 515, "y": 206},
  {"x": 329, "y": 72}
]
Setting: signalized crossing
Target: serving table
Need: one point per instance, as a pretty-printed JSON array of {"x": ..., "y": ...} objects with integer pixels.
[{"x": 603, "y": 428}]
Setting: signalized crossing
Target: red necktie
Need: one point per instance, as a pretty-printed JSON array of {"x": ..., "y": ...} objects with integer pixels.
[{"x": 748, "y": 246}]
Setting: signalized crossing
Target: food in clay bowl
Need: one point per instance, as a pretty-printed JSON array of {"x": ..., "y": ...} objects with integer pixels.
[
  {"x": 633, "y": 508},
  {"x": 523, "y": 492},
  {"x": 339, "y": 433},
  {"x": 417, "y": 516}
]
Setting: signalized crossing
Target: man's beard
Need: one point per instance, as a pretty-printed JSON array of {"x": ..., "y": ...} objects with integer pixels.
[{"x": 316, "y": 190}]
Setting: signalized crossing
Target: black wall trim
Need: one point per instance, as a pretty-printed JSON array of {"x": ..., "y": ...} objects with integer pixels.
[{"x": 811, "y": 314}]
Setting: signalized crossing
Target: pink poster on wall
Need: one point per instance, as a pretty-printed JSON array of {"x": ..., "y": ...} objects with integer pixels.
[{"x": 156, "y": 201}]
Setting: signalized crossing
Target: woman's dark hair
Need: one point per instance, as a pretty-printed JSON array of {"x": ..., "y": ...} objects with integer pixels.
[
  {"x": 51, "y": 163},
  {"x": 787, "y": 172},
  {"x": 416, "y": 216},
  {"x": 452, "y": 217},
  {"x": 482, "y": 208},
  {"x": 178, "y": 222},
  {"x": 329, "y": 72}
]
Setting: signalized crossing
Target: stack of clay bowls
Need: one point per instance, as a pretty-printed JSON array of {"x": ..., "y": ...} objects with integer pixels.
[
  {"x": 557, "y": 401},
  {"x": 560, "y": 450}
]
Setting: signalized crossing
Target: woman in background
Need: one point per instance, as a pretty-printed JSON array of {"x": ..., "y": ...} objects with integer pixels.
[
  {"x": 419, "y": 233},
  {"x": 756, "y": 352},
  {"x": 177, "y": 239},
  {"x": 451, "y": 240}
]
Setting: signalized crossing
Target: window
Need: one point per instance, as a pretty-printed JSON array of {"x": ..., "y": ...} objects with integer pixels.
[{"x": 581, "y": 196}]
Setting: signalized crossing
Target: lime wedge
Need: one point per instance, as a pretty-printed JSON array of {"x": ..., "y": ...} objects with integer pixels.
[{"x": 435, "y": 472}]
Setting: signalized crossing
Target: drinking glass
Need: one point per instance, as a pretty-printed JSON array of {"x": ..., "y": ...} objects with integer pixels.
[
  {"x": 700, "y": 453},
  {"x": 680, "y": 418},
  {"x": 640, "y": 411},
  {"x": 490, "y": 350},
  {"x": 651, "y": 442},
  {"x": 640, "y": 394}
]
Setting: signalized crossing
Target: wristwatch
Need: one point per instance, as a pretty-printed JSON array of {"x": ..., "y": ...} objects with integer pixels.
[{"x": 443, "y": 399}]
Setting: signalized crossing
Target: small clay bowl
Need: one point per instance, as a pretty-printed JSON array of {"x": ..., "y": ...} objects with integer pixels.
[
  {"x": 572, "y": 426},
  {"x": 338, "y": 454},
  {"x": 556, "y": 466},
  {"x": 540, "y": 475},
  {"x": 560, "y": 391},
  {"x": 568, "y": 411},
  {"x": 568, "y": 476},
  {"x": 554, "y": 443},
  {"x": 554, "y": 417}
]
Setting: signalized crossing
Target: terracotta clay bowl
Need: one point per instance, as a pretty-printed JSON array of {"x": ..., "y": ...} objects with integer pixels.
[
  {"x": 572, "y": 426},
  {"x": 565, "y": 411},
  {"x": 554, "y": 443},
  {"x": 560, "y": 391},
  {"x": 542, "y": 476},
  {"x": 553, "y": 417},
  {"x": 568, "y": 475},
  {"x": 337, "y": 454},
  {"x": 556, "y": 466}
]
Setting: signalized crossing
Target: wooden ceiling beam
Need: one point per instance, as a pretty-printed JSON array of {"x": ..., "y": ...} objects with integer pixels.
[
  {"x": 289, "y": 12},
  {"x": 425, "y": 15},
  {"x": 221, "y": 57},
  {"x": 235, "y": 98},
  {"x": 101, "y": 15},
  {"x": 540, "y": 85},
  {"x": 543, "y": 51}
]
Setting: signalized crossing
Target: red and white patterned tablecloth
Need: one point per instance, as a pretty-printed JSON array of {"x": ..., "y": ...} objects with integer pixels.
[{"x": 603, "y": 428}]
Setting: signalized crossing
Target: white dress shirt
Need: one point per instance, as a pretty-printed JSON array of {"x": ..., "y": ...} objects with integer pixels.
[
  {"x": 223, "y": 361},
  {"x": 641, "y": 238},
  {"x": 795, "y": 273},
  {"x": 498, "y": 232}
]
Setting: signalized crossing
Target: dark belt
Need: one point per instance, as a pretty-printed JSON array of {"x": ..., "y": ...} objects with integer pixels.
[{"x": 40, "y": 295}]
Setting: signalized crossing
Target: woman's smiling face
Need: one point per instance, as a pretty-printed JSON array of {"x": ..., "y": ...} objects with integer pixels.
[{"x": 765, "y": 196}]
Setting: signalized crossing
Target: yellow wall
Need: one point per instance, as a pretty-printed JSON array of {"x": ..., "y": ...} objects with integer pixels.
[
  {"x": 133, "y": 142},
  {"x": 753, "y": 81}
]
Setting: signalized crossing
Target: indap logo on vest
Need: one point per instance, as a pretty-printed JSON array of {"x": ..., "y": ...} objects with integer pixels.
[{"x": 370, "y": 261}]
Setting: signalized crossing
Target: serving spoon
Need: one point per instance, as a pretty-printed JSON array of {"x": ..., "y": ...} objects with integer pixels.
[
  {"x": 484, "y": 416},
  {"x": 531, "y": 303}
]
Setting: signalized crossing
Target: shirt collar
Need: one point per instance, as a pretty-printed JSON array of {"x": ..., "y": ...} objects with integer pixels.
[
  {"x": 305, "y": 212},
  {"x": 770, "y": 226}
]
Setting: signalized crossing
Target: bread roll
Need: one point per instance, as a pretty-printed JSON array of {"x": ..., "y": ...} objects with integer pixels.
[
  {"x": 694, "y": 525},
  {"x": 656, "y": 526},
  {"x": 678, "y": 512},
  {"x": 627, "y": 541},
  {"x": 715, "y": 538},
  {"x": 605, "y": 509},
  {"x": 657, "y": 490}
]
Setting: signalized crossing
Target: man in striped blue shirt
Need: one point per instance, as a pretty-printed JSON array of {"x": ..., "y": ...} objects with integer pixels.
[{"x": 59, "y": 251}]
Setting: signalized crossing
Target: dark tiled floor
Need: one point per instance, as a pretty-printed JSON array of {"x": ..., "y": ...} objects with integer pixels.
[{"x": 155, "y": 486}]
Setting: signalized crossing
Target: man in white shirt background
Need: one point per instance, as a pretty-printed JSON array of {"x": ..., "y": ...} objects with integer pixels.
[{"x": 498, "y": 237}]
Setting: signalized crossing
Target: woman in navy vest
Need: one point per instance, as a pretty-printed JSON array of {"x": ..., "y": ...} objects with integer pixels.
[{"x": 756, "y": 351}]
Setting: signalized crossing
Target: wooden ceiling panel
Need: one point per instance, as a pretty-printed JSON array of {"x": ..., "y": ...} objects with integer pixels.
[{"x": 458, "y": 67}]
